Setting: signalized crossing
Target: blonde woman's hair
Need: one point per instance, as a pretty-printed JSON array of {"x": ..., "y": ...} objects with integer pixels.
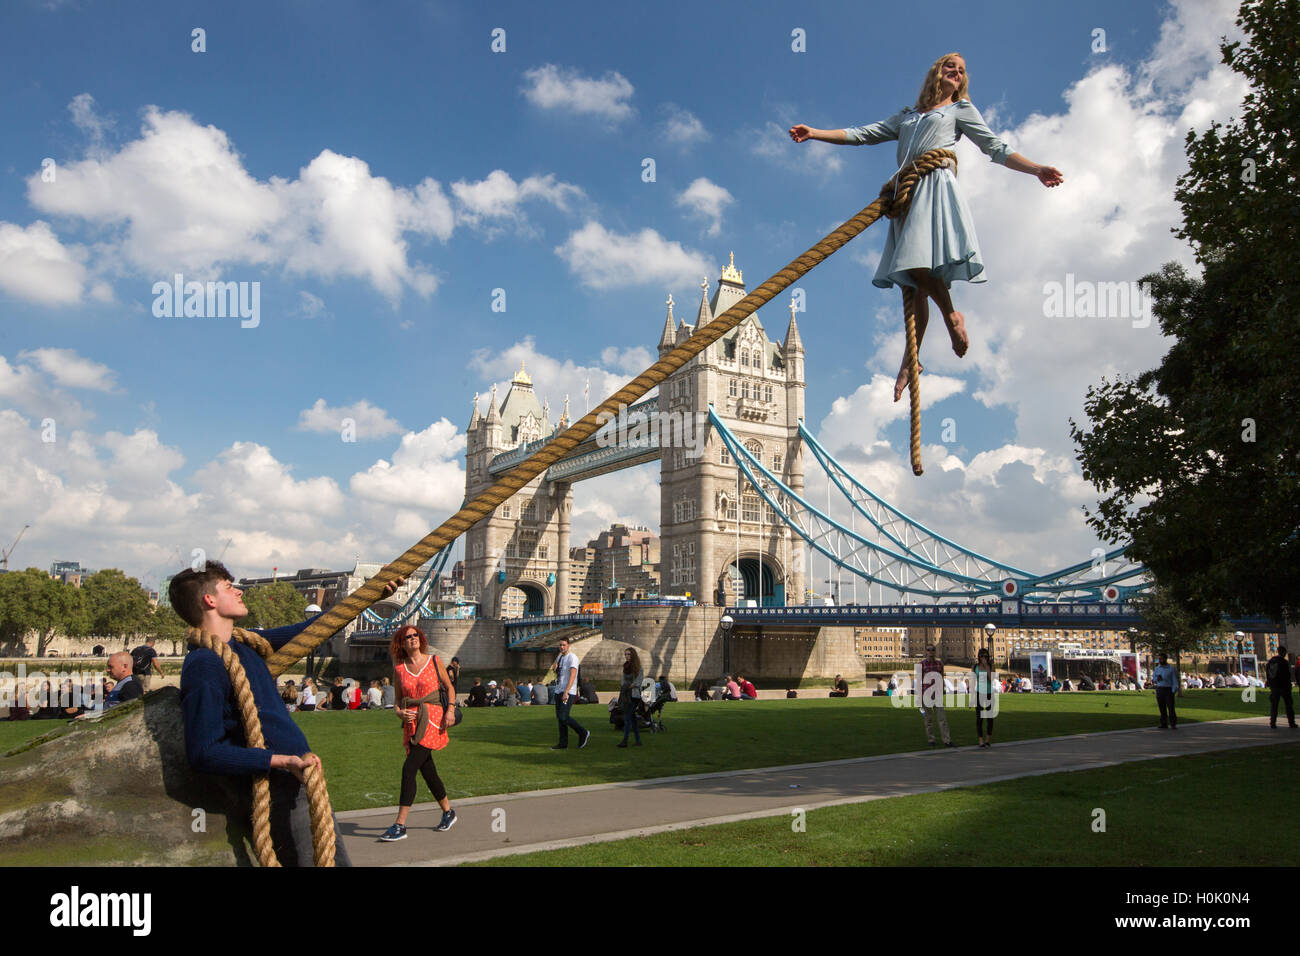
[{"x": 931, "y": 89}]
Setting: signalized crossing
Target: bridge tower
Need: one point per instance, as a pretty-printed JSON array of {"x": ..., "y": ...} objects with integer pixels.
[
  {"x": 716, "y": 544},
  {"x": 524, "y": 543}
]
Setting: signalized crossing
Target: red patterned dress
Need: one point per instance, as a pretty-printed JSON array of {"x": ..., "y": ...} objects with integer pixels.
[{"x": 418, "y": 685}]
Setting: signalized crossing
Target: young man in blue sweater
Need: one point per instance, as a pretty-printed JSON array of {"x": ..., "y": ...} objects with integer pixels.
[{"x": 214, "y": 733}]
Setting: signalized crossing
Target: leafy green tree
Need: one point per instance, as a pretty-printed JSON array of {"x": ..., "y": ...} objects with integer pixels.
[
  {"x": 1198, "y": 461},
  {"x": 1168, "y": 627},
  {"x": 273, "y": 605},
  {"x": 167, "y": 625},
  {"x": 31, "y": 600},
  {"x": 118, "y": 606}
]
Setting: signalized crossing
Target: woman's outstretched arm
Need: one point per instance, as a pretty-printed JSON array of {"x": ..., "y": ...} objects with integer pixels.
[
  {"x": 1047, "y": 175},
  {"x": 801, "y": 133}
]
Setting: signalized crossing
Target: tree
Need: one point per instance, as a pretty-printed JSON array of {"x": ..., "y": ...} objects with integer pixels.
[
  {"x": 31, "y": 600},
  {"x": 167, "y": 625},
  {"x": 118, "y": 606},
  {"x": 1198, "y": 460},
  {"x": 273, "y": 605},
  {"x": 1168, "y": 628}
]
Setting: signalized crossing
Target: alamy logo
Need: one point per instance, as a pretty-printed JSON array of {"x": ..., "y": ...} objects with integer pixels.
[
  {"x": 74, "y": 908},
  {"x": 208, "y": 300},
  {"x": 928, "y": 690},
  {"x": 1085, "y": 299},
  {"x": 38, "y": 690},
  {"x": 637, "y": 429}
]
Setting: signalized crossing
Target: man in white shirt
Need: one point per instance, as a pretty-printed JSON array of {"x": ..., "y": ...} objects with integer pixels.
[{"x": 566, "y": 692}]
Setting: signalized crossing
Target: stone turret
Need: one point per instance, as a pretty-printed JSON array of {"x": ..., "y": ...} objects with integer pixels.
[
  {"x": 475, "y": 419},
  {"x": 668, "y": 338}
]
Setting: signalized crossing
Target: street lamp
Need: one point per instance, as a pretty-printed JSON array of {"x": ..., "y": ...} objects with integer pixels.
[
  {"x": 726, "y": 623},
  {"x": 989, "y": 628},
  {"x": 311, "y": 610}
]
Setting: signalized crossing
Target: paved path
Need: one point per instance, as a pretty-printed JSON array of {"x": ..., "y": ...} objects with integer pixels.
[{"x": 573, "y": 816}]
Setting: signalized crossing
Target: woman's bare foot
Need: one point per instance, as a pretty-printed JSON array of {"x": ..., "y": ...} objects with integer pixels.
[
  {"x": 901, "y": 382},
  {"x": 956, "y": 323}
]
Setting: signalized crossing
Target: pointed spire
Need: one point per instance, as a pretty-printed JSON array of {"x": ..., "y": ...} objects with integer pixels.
[
  {"x": 494, "y": 413},
  {"x": 792, "y": 340},
  {"x": 669, "y": 337},
  {"x": 475, "y": 418},
  {"x": 706, "y": 314},
  {"x": 564, "y": 418},
  {"x": 521, "y": 376},
  {"x": 546, "y": 410}
]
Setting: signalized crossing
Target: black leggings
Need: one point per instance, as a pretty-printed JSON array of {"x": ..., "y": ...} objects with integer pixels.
[
  {"x": 981, "y": 721},
  {"x": 420, "y": 759}
]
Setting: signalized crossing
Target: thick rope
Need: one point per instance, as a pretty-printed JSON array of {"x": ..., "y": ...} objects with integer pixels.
[
  {"x": 894, "y": 199},
  {"x": 322, "y": 815},
  {"x": 913, "y": 377},
  {"x": 946, "y": 158}
]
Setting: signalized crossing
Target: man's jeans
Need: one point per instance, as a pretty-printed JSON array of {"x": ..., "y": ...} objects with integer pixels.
[
  {"x": 291, "y": 823},
  {"x": 562, "y": 708},
  {"x": 1165, "y": 698}
]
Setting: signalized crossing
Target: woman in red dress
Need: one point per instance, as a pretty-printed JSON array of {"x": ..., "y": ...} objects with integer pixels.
[{"x": 418, "y": 676}]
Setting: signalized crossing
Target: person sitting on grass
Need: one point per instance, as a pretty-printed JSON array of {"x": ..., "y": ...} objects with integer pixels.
[
  {"x": 841, "y": 688},
  {"x": 733, "y": 689},
  {"x": 478, "y": 696},
  {"x": 747, "y": 690}
]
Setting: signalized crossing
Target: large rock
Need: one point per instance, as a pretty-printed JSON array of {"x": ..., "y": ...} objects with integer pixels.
[{"x": 118, "y": 791}]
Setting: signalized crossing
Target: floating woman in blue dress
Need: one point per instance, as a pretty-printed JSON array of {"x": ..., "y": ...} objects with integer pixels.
[{"x": 934, "y": 244}]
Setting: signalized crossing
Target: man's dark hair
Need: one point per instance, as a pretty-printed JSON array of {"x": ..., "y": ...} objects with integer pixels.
[{"x": 187, "y": 589}]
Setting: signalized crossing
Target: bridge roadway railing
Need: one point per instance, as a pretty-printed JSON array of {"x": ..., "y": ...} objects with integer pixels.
[
  {"x": 522, "y": 630},
  {"x": 1003, "y": 614}
]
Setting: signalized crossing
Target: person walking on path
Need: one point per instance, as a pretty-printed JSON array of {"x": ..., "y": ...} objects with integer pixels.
[
  {"x": 1278, "y": 671},
  {"x": 985, "y": 701},
  {"x": 1166, "y": 679},
  {"x": 144, "y": 664},
  {"x": 420, "y": 680},
  {"x": 930, "y": 697},
  {"x": 935, "y": 243},
  {"x": 629, "y": 695},
  {"x": 566, "y": 692}
]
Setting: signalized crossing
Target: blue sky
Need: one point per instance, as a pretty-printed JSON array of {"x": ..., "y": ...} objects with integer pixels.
[{"x": 379, "y": 170}]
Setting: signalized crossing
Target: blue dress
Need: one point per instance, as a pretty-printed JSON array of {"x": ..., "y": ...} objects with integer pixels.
[{"x": 938, "y": 233}]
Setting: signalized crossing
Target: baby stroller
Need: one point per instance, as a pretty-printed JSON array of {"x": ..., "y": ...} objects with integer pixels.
[{"x": 647, "y": 709}]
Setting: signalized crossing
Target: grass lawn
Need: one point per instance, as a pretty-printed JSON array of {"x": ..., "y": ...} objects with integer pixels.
[
  {"x": 1204, "y": 810},
  {"x": 504, "y": 750}
]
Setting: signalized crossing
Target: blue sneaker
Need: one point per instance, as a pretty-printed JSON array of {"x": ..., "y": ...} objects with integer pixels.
[
  {"x": 394, "y": 833},
  {"x": 448, "y": 820}
]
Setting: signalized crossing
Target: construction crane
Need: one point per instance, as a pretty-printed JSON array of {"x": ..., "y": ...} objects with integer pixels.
[
  {"x": 4, "y": 557},
  {"x": 223, "y": 550}
]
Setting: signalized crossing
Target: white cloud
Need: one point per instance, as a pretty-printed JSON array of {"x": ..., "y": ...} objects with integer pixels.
[
  {"x": 25, "y": 387},
  {"x": 681, "y": 127},
  {"x": 248, "y": 480},
  {"x": 553, "y": 87},
  {"x": 498, "y": 197},
  {"x": 88, "y": 121},
  {"x": 178, "y": 199},
  {"x": 426, "y": 472},
  {"x": 606, "y": 260},
  {"x": 71, "y": 370},
  {"x": 310, "y": 305},
  {"x": 35, "y": 266},
  {"x": 704, "y": 199},
  {"x": 369, "y": 421}
]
